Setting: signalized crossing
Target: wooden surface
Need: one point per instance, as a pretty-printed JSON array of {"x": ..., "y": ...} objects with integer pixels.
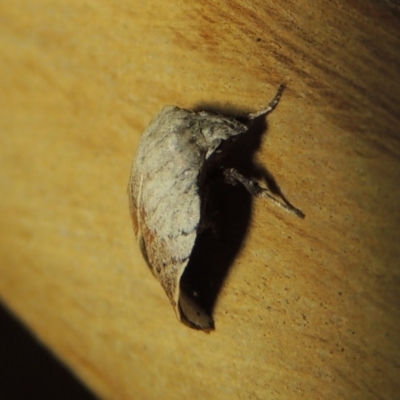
[{"x": 310, "y": 308}]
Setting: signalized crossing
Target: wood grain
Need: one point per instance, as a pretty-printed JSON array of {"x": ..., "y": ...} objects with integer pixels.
[{"x": 310, "y": 308}]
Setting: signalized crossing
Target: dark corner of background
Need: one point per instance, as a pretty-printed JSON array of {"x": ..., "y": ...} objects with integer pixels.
[{"x": 29, "y": 371}]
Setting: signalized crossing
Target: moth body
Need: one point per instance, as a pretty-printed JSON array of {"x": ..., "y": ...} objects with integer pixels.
[{"x": 166, "y": 190}]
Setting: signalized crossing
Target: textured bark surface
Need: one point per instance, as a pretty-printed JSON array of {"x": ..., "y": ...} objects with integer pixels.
[{"x": 304, "y": 308}]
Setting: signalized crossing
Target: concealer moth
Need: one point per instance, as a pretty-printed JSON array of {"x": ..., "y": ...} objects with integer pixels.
[{"x": 166, "y": 189}]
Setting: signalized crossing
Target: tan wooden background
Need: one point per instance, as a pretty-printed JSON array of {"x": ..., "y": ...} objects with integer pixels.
[{"x": 310, "y": 308}]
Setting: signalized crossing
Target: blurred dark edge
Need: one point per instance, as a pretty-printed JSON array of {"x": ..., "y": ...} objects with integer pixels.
[{"x": 29, "y": 371}]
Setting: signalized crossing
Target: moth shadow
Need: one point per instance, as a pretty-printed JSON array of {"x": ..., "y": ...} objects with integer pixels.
[{"x": 216, "y": 249}]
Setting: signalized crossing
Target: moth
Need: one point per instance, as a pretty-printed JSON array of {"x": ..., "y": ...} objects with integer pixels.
[{"x": 166, "y": 193}]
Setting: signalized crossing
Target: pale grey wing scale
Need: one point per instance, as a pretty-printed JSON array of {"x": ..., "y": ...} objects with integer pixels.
[{"x": 165, "y": 185}]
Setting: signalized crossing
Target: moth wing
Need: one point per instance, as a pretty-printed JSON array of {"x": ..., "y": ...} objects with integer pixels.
[{"x": 165, "y": 203}]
